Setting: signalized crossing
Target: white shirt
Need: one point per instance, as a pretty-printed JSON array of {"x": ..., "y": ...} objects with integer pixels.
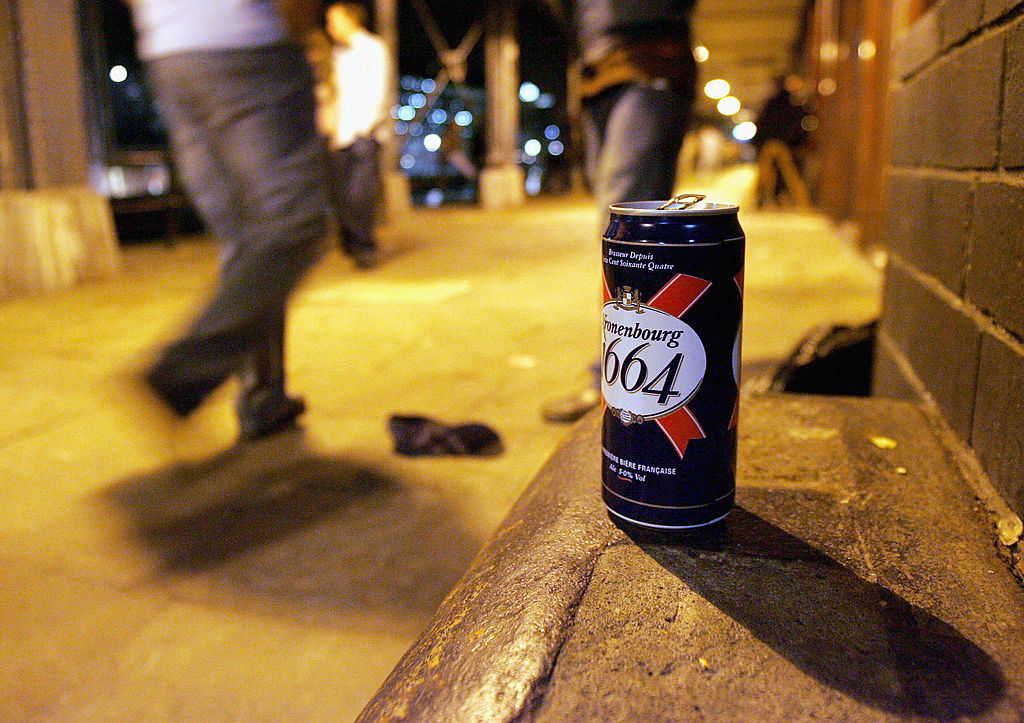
[
  {"x": 361, "y": 71},
  {"x": 168, "y": 27}
]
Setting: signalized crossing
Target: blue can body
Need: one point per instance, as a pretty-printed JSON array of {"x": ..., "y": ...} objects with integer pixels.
[{"x": 671, "y": 329}]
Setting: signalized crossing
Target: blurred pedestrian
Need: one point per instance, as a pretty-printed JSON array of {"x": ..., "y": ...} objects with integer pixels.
[
  {"x": 453, "y": 151},
  {"x": 355, "y": 120},
  {"x": 237, "y": 97},
  {"x": 637, "y": 82},
  {"x": 782, "y": 131}
]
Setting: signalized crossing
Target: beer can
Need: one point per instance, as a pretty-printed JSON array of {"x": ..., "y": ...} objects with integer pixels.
[{"x": 670, "y": 361}]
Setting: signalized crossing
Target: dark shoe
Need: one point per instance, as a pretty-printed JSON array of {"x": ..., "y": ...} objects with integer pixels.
[
  {"x": 157, "y": 426},
  {"x": 421, "y": 436},
  {"x": 150, "y": 422},
  {"x": 182, "y": 398},
  {"x": 263, "y": 420}
]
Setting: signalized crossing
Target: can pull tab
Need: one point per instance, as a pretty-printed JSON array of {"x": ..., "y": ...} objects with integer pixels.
[{"x": 685, "y": 201}]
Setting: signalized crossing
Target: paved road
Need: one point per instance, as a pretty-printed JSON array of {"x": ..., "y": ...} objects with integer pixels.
[{"x": 165, "y": 574}]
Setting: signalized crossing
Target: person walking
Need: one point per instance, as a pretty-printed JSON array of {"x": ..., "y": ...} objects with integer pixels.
[
  {"x": 354, "y": 116},
  {"x": 637, "y": 82},
  {"x": 782, "y": 135},
  {"x": 237, "y": 97}
]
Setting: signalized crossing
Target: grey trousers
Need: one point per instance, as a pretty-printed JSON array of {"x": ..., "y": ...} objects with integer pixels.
[
  {"x": 245, "y": 143},
  {"x": 633, "y": 134}
]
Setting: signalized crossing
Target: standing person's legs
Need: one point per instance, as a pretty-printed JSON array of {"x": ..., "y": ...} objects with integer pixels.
[
  {"x": 765, "y": 192},
  {"x": 357, "y": 180},
  {"x": 593, "y": 121},
  {"x": 251, "y": 114},
  {"x": 633, "y": 136},
  {"x": 637, "y": 133}
]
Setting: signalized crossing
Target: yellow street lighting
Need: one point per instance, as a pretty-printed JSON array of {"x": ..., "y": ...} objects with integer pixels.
[
  {"x": 744, "y": 131},
  {"x": 716, "y": 89},
  {"x": 729, "y": 105}
]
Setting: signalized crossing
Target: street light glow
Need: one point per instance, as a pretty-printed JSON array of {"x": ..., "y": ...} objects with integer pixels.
[
  {"x": 829, "y": 51},
  {"x": 716, "y": 89},
  {"x": 701, "y": 54},
  {"x": 119, "y": 74},
  {"x": 744, "y": 131},
  {"x": 729, "y": 105},
  {"x": 528, "y": 92}
]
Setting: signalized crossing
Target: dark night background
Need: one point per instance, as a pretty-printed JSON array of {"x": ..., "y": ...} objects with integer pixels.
[{"x": 543, "y": 57}]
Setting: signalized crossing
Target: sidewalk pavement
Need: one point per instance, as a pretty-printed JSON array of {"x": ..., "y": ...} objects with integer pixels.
[{"x": 201, "y": 580}]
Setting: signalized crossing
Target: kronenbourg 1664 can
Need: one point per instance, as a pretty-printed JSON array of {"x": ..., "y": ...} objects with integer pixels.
[{"x": 673, "y": 301}]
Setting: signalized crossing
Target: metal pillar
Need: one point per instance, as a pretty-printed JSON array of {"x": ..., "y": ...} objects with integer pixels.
[{"x": 502, "y": 181}]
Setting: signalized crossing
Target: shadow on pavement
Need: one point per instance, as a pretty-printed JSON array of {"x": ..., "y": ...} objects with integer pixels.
[
  {"x": 282, "y": 523},
  {"x": 851, "y": 635}
]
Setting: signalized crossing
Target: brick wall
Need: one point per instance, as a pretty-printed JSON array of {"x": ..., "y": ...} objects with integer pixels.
[{"x": 953, "y": 320}]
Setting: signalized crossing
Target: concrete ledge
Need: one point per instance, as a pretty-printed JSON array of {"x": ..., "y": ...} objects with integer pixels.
[{"x": 854, "y": 581}]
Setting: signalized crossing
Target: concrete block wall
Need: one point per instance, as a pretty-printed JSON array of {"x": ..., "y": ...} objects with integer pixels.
[{"x": 953, "y": 317}]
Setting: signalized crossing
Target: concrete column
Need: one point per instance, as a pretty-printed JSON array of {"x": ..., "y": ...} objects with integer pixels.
[
  {"x": 501, "y": 181},
  {"x": 57, "y": 229},
  {"x": 51, "y": 64},
  {"x": 396, "y": 184},
  {"x": 15, "y": 164}
]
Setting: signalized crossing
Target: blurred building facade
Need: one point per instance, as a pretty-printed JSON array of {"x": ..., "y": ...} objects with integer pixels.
[
  {"x": 921, "y": 152},
  {"x": 953, "y": 323}
]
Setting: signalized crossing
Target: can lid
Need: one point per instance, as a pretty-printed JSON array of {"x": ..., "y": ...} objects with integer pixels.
[{"x": 687, "y": 204}]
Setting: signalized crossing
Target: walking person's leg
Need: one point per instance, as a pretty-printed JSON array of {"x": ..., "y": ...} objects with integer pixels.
[
  {"x": 254, "y": 111},
  {"x": 263, "y": 404}
]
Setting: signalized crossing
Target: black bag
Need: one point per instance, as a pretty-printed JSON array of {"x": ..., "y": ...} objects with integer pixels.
[{"x": 831, "y": 360}]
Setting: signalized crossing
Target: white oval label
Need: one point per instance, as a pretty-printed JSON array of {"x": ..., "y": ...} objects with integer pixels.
[{"x": 652, "y": 362}]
